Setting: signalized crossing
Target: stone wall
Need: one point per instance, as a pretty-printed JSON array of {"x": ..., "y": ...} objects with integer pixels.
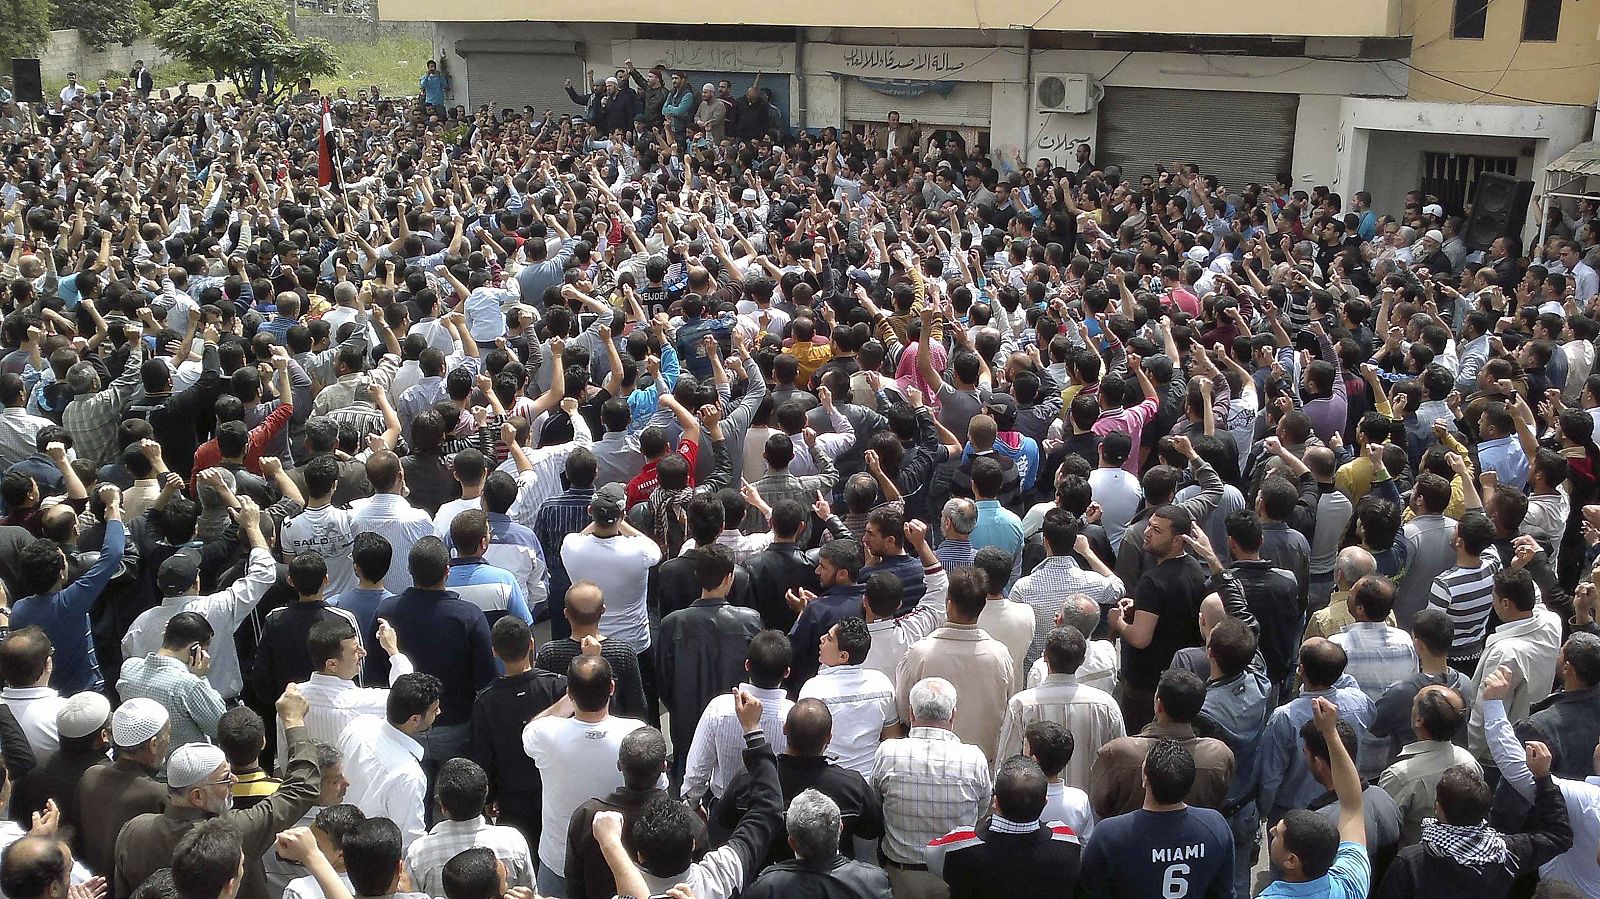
[
  {"x": 66, "y": 52},
  {"x": 357, "y": 29}
]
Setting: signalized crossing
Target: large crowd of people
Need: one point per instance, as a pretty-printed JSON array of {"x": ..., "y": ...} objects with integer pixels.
[{"x": 908, "y": 521}]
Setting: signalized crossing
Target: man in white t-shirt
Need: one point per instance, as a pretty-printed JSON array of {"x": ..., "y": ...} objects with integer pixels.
[
  {"x": 617, "y": 558},
  {"x": 323, "y": 526},
  {"x": 575, "y": 743}
]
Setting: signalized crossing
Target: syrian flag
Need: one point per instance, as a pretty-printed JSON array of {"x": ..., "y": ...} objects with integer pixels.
[{"x": 328, "y": 168}]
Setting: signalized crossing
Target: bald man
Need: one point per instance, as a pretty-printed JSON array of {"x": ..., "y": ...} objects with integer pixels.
[
  {"x": 42, "y": 861},
  {"x": 1193, "y": 658},
  {"x": 585, "y": 605}
]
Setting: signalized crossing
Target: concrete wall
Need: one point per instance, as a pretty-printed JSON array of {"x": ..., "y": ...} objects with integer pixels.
[
  {"x": 1321, "y": 83},
  {"x": 66, "y": 52},
  {"x": 1290, "y": 18},
  {"x": 1354, "y": 129},
  {"x": 1563, "y": 71},
  {"x": 1381, "y": 142}
]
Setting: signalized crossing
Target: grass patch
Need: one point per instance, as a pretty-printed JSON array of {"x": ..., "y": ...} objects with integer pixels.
[{"x": 393, "y": 64}]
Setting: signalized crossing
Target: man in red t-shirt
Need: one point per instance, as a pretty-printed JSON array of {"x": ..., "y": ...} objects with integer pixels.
[{"x": 653, "y": 444}]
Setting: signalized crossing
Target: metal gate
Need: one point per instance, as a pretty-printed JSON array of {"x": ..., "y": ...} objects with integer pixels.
[
  {"x": 1234, "y": 135},
  {"x": 1450, "y": 176}
]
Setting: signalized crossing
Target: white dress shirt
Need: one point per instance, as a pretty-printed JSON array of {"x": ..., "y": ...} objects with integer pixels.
[
  {"x": 543, "y": 480},
  {"x": 892, "y": 638},
  {"x": 861, "y": 700},
  {"x": 717, "y": 752},
  {"x": 397, "y": 521},
  {"x": 1099, "y": 668},
  {"x": 1070, "y": 806},
  {"x": 307, "y": 887},
  {"x": 1575, "y": 866},
  {"x": 223, "y": 610},
  {"x": 384, "y": 767},
  {"x": 333, "y": 702}
]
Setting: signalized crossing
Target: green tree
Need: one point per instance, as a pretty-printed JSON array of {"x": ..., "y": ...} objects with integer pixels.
[
  {"x": 100, "y": 22},
  {"x": 231, "y": 41},
  {"x": 24, "y": 26}
]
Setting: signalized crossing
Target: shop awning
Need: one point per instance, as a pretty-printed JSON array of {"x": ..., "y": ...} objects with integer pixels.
[{"x": 1579, "y": 162}]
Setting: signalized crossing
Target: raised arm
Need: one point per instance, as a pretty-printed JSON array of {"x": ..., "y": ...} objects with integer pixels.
[{"x": 1346, "y": 781}]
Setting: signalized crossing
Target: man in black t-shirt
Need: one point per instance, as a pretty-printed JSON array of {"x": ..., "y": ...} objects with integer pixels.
[
  {"x": 1162, "y": 617},
  {"x": 500, "y": 713}
]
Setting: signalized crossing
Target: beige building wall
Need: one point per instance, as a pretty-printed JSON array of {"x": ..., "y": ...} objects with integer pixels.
[
  {"x": 1290, "y": 18},
  {"x": 1501, "y": 67}
]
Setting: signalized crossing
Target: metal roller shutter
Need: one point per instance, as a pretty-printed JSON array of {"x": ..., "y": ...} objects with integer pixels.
[
  {"x": 516, "y": 80},
  {"x": 967, "y": 104},
  {"x": 1234, "y": 135}
]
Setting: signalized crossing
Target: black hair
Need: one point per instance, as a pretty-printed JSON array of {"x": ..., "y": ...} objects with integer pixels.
[
  {"x": 1169, "y": 770},
  {"x": 1020, "y": 789},
  {"x": 472, "y": 874},
  {"x": 372, "y": 855},
  {"x": 411, "y": 695},
  {"x": 461, "y": 789},
  {"x": 1313, "y": 839},
  {"x": 1051, "y": 744},
  {"x": 204, "y": 861},
  {"x": 1181, "y": 693}
]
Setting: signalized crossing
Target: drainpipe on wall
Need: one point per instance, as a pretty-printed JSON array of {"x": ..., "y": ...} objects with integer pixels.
[
  {"x": 801, "y": 116},
  {"x": 1027, "y": 88}
]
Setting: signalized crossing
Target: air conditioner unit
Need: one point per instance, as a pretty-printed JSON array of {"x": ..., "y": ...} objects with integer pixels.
[{"x": 1072, "y": 93}]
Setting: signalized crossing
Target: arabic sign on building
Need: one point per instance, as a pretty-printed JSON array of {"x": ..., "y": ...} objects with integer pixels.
[
  {"x": 903, "y": 88},
  {"x": 917, "y": 63},
  {"x": 705, "y": 56},
  {"x": 1056, "y": 135}
]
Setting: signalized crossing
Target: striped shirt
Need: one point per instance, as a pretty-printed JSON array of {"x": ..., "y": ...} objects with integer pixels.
[
  {"x": 333, "y": 702},
  {"x": 564, "y": 514},
  {"x": 931, "y": 784},
  {"x": 716, "y": 753},
  {"x": 1467, "y": 595},
  {"x": 953, "y": 554}
]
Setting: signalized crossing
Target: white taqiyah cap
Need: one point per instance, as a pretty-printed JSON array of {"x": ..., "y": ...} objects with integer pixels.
[
  {"x": 136, "y": 721},
  {"x": 193, "y": 764}
]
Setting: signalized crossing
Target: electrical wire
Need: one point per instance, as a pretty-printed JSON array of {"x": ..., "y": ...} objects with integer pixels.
[{"x": 1489, "y": 93}]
